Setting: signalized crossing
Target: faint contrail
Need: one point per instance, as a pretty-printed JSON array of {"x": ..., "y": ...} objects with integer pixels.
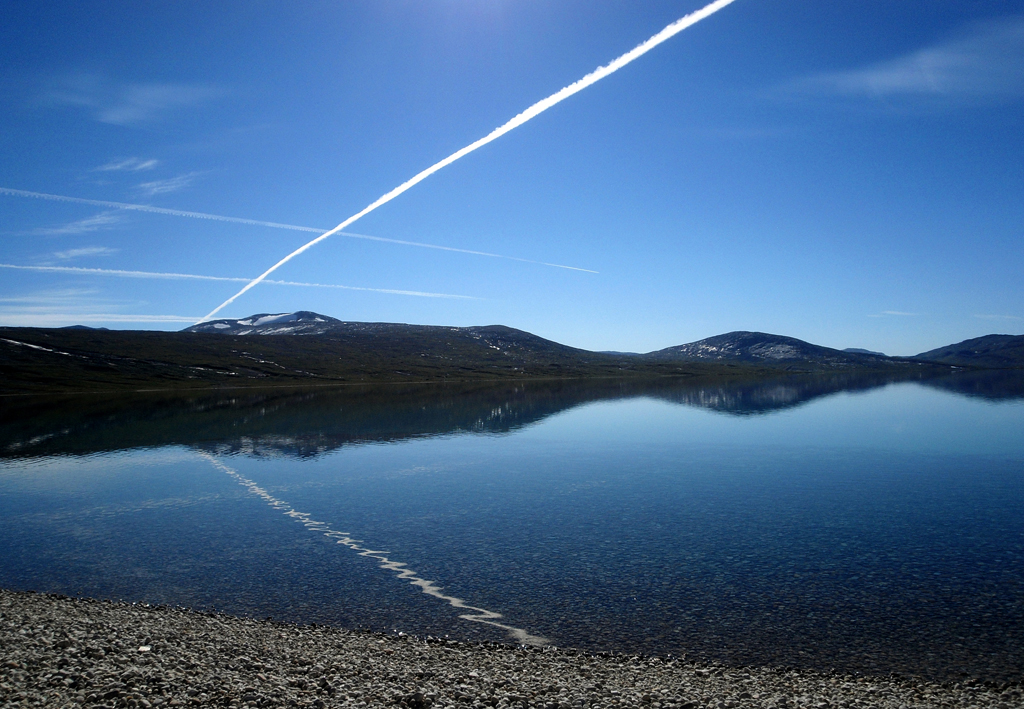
[
  {"x": 153, "y": 210},
  {"x": 196, "y": 277},
  {"x": 531, "y": 112},
  {"x": 273, "y": 225}
]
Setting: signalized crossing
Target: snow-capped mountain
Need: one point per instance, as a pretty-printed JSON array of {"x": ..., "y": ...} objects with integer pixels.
[{"x": 302, "y": 322}]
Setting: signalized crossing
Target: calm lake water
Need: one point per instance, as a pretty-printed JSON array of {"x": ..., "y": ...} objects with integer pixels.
[{"x": 865, "y": 525}]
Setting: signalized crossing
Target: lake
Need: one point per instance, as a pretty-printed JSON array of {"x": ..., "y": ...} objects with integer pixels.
[{"x": 863, "y": 524}]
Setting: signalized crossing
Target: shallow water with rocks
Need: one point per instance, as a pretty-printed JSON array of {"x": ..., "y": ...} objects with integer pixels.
[{"x": 858, "y": 527}]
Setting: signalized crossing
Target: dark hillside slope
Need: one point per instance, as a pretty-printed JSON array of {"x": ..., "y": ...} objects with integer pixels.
[
  {"x": 35, "y": 359},
  {"x": 777, "y": 351},
  {"x": 992, "y": 351}
]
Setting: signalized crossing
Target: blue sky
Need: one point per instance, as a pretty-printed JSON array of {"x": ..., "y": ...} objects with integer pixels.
[{"x": 849, "y": 173}]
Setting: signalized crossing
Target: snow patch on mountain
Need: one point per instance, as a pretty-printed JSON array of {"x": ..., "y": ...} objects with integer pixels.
[{"x": 301, "y": 322}]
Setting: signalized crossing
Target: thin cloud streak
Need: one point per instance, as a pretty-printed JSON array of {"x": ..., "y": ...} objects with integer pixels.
[
  {"x": 531, "y": 112},
  {"x": 84, "y": 251},
  {"x": 986, "y": 62},
  {"x": 103, "y": 220},
  {"x": 63, "y": 297},
  {"x": 173, "y": 184},
  {"x": 22, "y": 319},
  {"x": 998, "y": 317},
  {"x": 129, "y": 165},
  {"x": 68, "y": 306},
  {"x": 891, "y": 313},
  {"x": 127, "y": 104},
  {"x": 272, "y": 225},
  {"x": 195, "y": 277},
  {"x": 353, "y": 235}
]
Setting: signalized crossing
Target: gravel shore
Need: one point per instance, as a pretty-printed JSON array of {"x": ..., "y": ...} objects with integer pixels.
[{"x": 64, "y": 652}]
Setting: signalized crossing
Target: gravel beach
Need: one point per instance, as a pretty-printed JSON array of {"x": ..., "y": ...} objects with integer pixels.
[{"x": 65, "y": 652}]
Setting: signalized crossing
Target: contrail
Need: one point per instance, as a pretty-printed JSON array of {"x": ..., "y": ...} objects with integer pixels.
[
  {"x": 153, "y": 210},
  {"x": 531, "y": 112},
  {"x": 272, "y": 225},
  {"x": 196, "y": 277}
]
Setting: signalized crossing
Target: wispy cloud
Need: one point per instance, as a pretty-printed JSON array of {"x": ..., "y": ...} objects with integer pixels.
[
  {"x": 998, "y": 317},
  {"x": 98, "y": 222},
  {"x": 892, "y": 313},
  {"x": 127, "y": 104},
  {"x": 53, "y": 319},
  {"x": 173, "y": 184},
  {"x": 985, "y": 62},
  {"x": 84, "y": 251},
  {"x": 63, "y": 297},
  {"x": 128, "y": 165},
  {"x": 69, "y": 306}
]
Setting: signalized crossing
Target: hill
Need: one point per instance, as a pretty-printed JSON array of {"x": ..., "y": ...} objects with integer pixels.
[
  {"x": 303, "y": 347},
  {"x": 990, "y": 351},
  {"x": 38, "y": 359},
  {"x": 777, "y": 351},
  {"x": 302, "y": 322}
]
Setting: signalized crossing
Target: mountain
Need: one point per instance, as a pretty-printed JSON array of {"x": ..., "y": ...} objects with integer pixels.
[
  {"x": 777, "y": 351},
  {"x": 302, "y": 322},
  {"x": 302, "y": 348},
  {"x": 281, "y": 350},
  {"x": 758, "y": 348},
  {"x": 858, "y": 350},
  {"x": 990, "y": 351}
]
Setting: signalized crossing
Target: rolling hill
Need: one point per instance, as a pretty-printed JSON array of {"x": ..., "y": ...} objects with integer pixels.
[
  {"x": 776, "y": 351},
  {"x": 990, "y": 351},
  {"x": 301, "y": 348}
]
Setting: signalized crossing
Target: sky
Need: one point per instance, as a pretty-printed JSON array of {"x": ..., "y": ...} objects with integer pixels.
[{"x": 850, "y": 173}]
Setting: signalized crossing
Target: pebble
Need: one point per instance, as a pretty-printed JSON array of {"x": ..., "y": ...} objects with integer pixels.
[{"x": 67, "y": 652}]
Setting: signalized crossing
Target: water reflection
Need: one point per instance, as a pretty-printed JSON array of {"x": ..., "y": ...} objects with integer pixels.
[
  {"x": 309, "y": 422},
  {"x": 867, "y": 524}
]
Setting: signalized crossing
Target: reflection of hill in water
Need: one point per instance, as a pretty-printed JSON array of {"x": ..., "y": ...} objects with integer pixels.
[
  {"x": 992, "y": 385},
  {"x": 303, "y": 423}
]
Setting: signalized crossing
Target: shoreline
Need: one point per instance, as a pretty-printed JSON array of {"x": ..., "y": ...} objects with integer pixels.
[{"x": 70, "y": 652}]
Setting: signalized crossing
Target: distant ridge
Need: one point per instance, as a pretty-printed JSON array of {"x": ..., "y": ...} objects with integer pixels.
[
  {"x": 739, "y": 347},
  {"x": 305, "y": 347},
  {"x": 992, "y": 351}
]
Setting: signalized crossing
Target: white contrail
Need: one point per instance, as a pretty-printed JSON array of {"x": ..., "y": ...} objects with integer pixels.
[
  {"x": 533, "y": 111},
  {"x": 153, "y": 210},
  {"x": 196, "y": 277},
  {"x": 353, "y": 235},
  {"x": 272, "y": 225}
]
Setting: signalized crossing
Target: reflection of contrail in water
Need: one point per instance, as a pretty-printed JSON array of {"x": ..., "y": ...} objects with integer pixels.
[
  {"x": 273, "y": 225},
  {"x": 533, "y": 111},
  {"x": 477, "y": 615}
]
